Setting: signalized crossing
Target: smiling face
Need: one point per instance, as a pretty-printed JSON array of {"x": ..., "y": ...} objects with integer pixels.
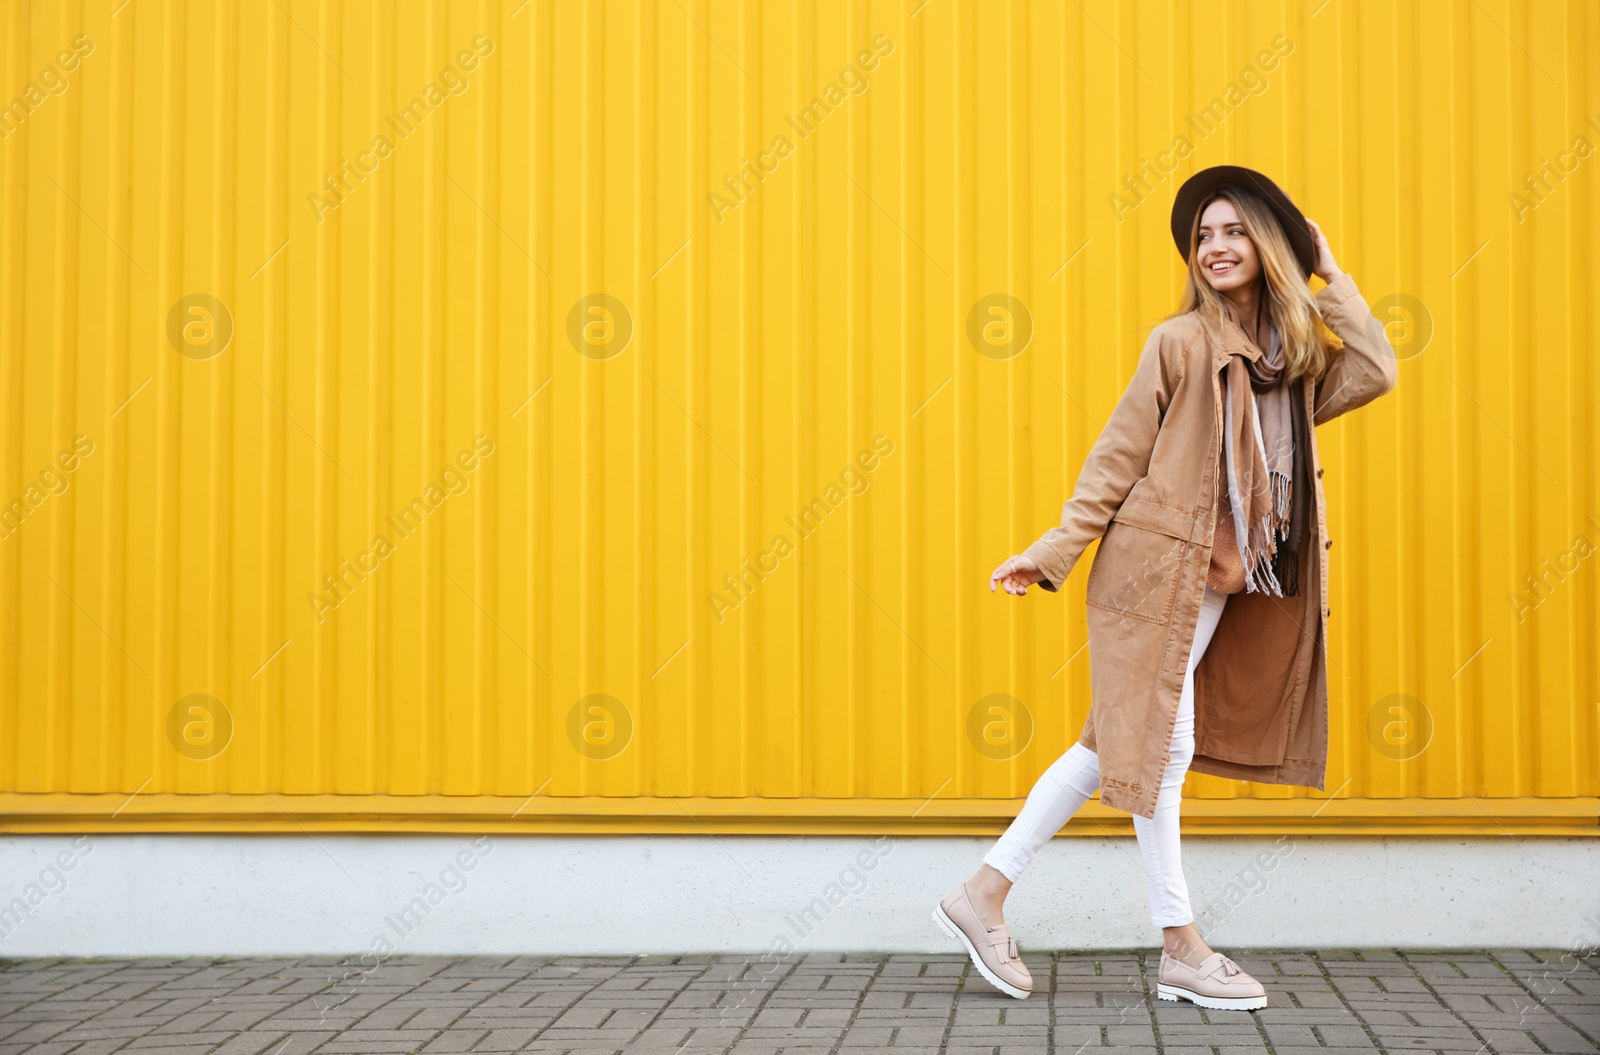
[{"x": 1225, "y": 252}]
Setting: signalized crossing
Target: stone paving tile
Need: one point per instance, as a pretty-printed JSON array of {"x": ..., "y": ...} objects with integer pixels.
[{"x": 1331, "y": 1002}]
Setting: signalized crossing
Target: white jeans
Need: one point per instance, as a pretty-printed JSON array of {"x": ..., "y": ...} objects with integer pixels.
[{"x": 1075, "y": 776}]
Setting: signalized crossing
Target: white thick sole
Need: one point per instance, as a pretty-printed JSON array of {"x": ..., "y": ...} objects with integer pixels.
[
  {"x": 948, "y": 925},
  {"x": 1237, "y": 1003}
]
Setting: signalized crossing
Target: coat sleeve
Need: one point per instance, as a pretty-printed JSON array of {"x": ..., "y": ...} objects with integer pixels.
[
  {"x": 1119, "y": 459},
  {"x": 1366, "y": 367}
]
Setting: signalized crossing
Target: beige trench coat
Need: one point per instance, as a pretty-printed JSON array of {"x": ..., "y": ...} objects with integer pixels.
[{"x": 1148, "y": 487}]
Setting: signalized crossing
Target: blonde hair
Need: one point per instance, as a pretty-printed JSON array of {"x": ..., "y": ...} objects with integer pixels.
[{"x": 1286, "y": 298}]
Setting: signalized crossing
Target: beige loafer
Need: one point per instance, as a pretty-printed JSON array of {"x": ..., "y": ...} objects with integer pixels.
[
  {"x": 1217, "y": 983},
  {"x": 993, "y": 950}
]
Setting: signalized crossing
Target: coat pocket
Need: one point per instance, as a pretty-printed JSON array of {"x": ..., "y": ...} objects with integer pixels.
[{"x": 1136, "y": 571}]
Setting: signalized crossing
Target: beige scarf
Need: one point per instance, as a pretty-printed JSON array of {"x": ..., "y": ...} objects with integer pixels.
[{"x": 1267, "y": 482}]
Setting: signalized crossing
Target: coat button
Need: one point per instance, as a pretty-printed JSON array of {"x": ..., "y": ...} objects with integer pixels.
[
  {"x": 1319, "y": 474},
  {"x": 1328, "y": 544}
]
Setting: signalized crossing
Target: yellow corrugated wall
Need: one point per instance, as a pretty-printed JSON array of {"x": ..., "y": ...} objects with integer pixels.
[{"x": 576, "y": 305}]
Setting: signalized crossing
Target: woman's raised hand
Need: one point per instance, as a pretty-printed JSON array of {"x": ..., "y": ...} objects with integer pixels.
[
  {"x": 1016, "y": 574},
  {"x": 1326, "y": 269}
]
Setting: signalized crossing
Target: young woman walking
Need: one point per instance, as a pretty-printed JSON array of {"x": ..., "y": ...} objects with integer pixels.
[{"x": 1206, "y": 613}]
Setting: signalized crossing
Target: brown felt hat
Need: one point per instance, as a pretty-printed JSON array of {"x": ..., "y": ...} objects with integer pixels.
[{"x": 1198, "y": 187}]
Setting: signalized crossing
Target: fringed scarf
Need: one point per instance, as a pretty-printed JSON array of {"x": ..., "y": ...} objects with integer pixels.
[{"x": 1268, "y": 472}]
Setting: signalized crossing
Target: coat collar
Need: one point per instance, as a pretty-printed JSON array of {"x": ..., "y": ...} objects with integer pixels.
[{"x": 1228, "y": 339}]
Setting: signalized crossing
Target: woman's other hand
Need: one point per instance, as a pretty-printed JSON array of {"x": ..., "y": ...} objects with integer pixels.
[
  {"x": 1016, "y": 574},
  {"x": 1326, "y": 269}
]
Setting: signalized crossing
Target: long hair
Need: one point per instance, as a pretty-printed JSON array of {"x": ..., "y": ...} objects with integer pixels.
[{"x": 1286, "y": 298}]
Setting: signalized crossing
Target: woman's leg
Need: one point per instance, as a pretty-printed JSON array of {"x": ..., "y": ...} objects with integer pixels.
[
  {"x": 1056, "y": 796},
  {"x": 1074, "y": 778},
  {"x": 1158, "y": 836}
]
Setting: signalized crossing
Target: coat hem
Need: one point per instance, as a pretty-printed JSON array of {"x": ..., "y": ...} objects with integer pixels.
[
  {"x": 1139, "y": 803},
  {"x": 1306, "y": 773},
  {"x": 1295, "y": 772}
]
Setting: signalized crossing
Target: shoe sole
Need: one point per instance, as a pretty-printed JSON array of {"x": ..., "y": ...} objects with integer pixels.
[
  {"x": 948, "y": 925},
  {"x": 1220, "y": 1003}
]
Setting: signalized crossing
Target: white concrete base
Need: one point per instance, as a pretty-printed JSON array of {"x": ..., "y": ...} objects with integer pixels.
[{"x": 252, "y": 895}]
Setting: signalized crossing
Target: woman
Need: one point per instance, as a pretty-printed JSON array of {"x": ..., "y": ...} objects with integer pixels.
[{"x": 1201, "y": 485}]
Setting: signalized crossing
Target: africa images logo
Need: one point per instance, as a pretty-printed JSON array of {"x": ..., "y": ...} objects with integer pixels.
[{"x": 853, "y": 80}]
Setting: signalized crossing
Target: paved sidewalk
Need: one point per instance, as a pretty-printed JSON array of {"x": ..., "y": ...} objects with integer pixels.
[{"x": 1339, "y": 1001}]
